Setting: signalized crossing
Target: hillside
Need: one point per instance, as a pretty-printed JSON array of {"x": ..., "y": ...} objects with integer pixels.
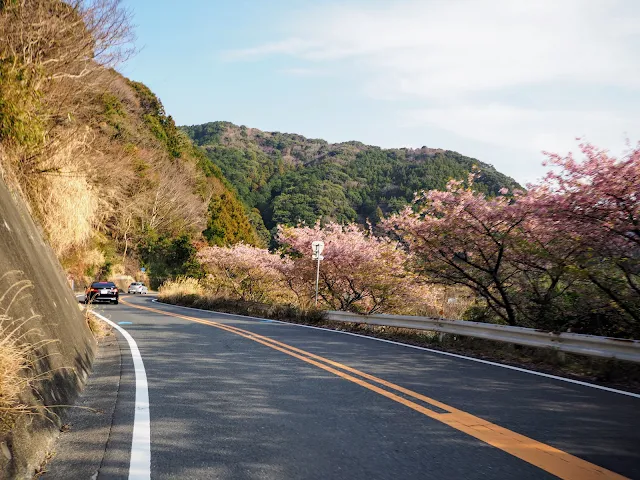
[
  {"x": 106, "y": 173},
  {"x": 288, "y": 178}
]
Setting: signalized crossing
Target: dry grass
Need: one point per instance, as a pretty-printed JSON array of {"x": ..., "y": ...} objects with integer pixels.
[
  {"x": 98, "y": 328},
  {"x": 181, "y": 287},
  {"x": 81, "y": 261},
  {"x": 68, "y": 211},
  {"x": 67, "y": 203},
  {"x": 446, "y": 302},
  {"x": 21, "y": 350},
  {"x": 16, "y": 366},
  {"x": 287, "y": 313},
  {"x": 194, "y": 293},
  {"x": 434, "y": 301},
  {"x": 93, "y": 258}
]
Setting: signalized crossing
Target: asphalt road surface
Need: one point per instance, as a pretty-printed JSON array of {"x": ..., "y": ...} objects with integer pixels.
[{"x": 233, "y": 397}]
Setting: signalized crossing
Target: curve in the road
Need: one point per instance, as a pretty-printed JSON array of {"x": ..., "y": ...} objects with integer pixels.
[
  {"x": 430, "y": 350},
  {"x": 543, "y": 456}
]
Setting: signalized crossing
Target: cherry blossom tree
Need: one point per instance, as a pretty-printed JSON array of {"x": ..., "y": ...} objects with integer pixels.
[
  {"x": 535, "y": 257},
  {"x": 244, "y": 272},
  {"x": 496, "y": 246},
  {"x": 360, "y": 272},
  {"x": 601, "y": 191},
  {"x": 597, "y": 202},
  {"x": 461, "y": 237}
]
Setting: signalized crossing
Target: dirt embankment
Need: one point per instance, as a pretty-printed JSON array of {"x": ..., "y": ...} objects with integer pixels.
[{"x": 46, "y": 348}]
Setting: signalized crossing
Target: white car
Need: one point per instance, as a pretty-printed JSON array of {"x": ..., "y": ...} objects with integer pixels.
[{"x": 138, "y": 287}]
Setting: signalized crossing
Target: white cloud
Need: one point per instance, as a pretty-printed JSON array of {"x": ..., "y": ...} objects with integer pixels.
[
  {"x": 534, "y": 130},
  {"x": 305, "y": 72},
  {"x": 456, "y": 59},
  {"x": 291, "y": 46},
  {"x": 431, "y": 48}
]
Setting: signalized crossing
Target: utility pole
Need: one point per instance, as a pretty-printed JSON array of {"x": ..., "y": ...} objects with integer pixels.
[{"x": 317, "y": 247}]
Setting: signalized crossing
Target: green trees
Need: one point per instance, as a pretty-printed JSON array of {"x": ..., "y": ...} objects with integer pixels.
[
  {"x": 303, "y": 196},
  {"x": 228, "y": 222},
  {"x": 168, "y": 257},
  {"x": 294, "y": 208},
  {"x": 291, "y": 179}
]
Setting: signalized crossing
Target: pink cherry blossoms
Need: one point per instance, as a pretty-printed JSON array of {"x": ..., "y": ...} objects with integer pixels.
[
  {"x": 360, "y": 272},
  {"x": 564, "y": 255}
]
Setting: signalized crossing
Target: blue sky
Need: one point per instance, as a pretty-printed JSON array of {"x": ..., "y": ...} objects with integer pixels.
[{"x": 498, "y": 80}]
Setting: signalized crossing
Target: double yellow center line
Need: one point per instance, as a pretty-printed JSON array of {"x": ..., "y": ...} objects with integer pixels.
[{"x": 546, "y": 457}]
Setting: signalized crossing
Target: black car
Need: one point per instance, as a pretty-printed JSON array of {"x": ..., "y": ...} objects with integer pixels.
[{"x": 102, "y": 291}]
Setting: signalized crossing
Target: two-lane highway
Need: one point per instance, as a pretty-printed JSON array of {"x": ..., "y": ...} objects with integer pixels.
[{"x": 234, "y": 397}]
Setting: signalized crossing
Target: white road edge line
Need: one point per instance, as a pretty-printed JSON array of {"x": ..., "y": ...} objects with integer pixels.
[
  {"x": 140, "y": 464},
  {"x": 439, "y": 352}
]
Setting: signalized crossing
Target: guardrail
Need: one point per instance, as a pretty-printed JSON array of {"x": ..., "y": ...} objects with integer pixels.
[{"x": 605, "y": 347}]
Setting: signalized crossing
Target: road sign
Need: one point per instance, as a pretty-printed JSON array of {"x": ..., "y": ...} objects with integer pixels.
[
  {"x": 317, "y": 247},
  {"x": 142, "y": 269}
]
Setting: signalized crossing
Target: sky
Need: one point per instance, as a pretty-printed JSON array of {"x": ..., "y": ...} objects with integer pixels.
[{"x": 498, "y": 80}]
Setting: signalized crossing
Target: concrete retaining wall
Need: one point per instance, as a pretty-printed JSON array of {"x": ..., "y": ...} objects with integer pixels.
[{"x": 34, "y": 289}]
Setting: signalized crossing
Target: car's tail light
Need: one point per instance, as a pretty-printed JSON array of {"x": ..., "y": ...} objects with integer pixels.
[
  {"x": 94, "y": 290},
  {"x": 114, "y": 290}
]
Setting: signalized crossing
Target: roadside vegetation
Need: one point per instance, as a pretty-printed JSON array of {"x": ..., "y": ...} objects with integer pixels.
[
  {"x": 16, "y": 360},
  {"x": 21, "y": 349},
  {"x": 99, "y": 329},
  {"x": 112, "y": 181},
  {"x": 360, "y": 272},
  {"x": 562, "y": 256}
]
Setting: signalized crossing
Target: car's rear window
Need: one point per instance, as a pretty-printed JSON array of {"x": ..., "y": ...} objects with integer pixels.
[{"x": 103, "y": 285}]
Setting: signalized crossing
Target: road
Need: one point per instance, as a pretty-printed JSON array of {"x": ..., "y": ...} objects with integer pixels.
[{"x": 233, "y": 397}]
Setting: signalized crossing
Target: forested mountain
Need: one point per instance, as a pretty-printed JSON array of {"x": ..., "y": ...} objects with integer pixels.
[{"x": 289, "y": 179}]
